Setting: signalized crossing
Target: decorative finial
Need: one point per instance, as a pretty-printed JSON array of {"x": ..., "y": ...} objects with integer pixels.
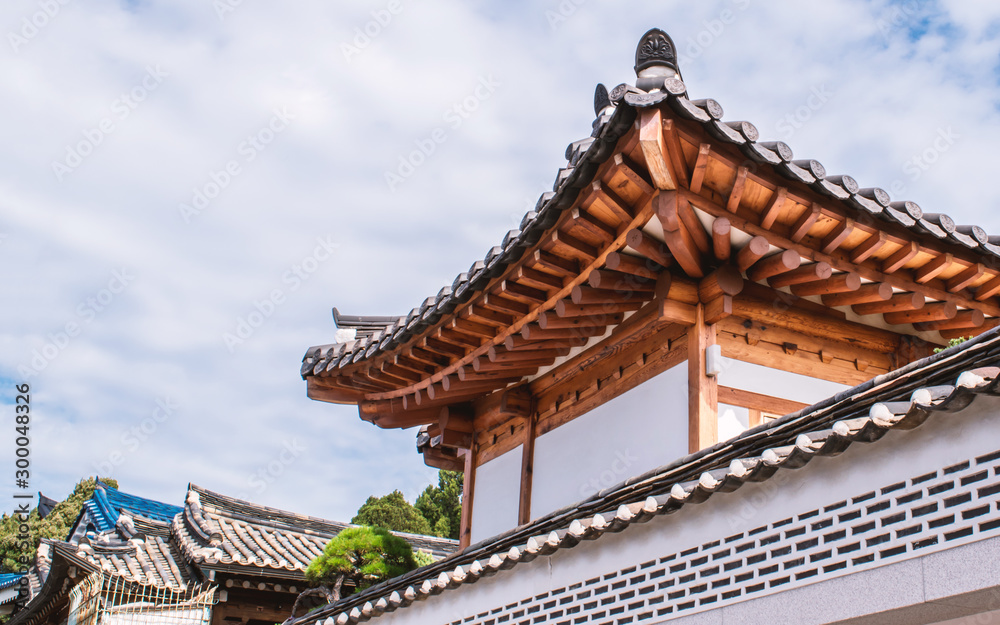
[
  {"x": 601, "y": 99},
  {"x": 655, "y": 60}
]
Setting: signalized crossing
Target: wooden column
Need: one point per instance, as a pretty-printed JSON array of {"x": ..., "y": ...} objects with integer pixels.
[
  {"x": 468, "y": 493},
  {"x": 703, "y": 396},
  {"x": 527, "y": 468}
]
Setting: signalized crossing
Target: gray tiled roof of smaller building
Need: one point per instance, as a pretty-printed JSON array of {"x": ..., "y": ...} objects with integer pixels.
[
  {"x": 216, "y": 531},
  {"x": 904, "y": 399}
]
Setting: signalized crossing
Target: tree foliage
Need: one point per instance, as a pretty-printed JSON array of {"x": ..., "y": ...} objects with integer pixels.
[
  {"x": 363, "y": 556},
  {"x": 441, "y": 505},
  {"x": 16, "y": 553},
  {"x": 392, "y": 512}
]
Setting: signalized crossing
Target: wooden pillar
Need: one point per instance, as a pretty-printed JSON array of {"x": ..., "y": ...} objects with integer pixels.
[
  {"x": 703, "y": 394},
  {"x": 468, "y": 488},
  {"x": 527, "y": 468}
]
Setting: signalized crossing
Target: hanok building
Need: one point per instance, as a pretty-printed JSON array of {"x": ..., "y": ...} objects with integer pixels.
[
  {"x": 684, "y": 279},
  {"x": 215, "y": 561}
]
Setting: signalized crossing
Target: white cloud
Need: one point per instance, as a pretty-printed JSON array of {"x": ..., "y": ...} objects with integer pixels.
[{"x": 324, "y": 174}]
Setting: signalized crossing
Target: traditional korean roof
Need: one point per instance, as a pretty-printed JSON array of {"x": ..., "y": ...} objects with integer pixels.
[
  {"x": 108, "y": 504},
  {"x": 657, "y": 152},
  {"x": 938, "y": 387},
  {"x": 148, "y": 558},
  {"x": 224, "y": 533},
  {"x": 9, "y": 580}
]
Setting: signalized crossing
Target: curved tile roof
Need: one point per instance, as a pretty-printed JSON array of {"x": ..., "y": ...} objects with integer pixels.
[
  {"x": 935, "y": 387},
  {"x": 219, "y": 531},
  {"x": 108, "y": 504},
  {"x": 616, "y": 112}
]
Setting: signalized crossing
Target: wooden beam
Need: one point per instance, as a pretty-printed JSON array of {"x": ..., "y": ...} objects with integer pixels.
[
  {"x": 527, "y": 469},
  {"x": 733, "y": 203},
  {"x": 963, "y": 319},
  {"x": 694, "y": 226},
  {"x": 868, "y": 247},
  {"x": 775, "y": 264},
  {"x": 871, "y": 292},
  {"x": 938, "y": 311},
  {"x": 757, "y": 401},
  {"x": 840, "y": 283},
  {"x": 654, "y": 149},
  {"x": 591, "y": 224},
  {"x": 628, "y": 169},
  {"x": 897, "y": 303},
  {"x": 554, "y": 263},
  {"x": 804, "y": 274},
  {"x": 619, "y": 281},
  {"x": 703, "y": 405},
  {"x": 700, "y": 166},
  {"x": 468, "y": 496},
  {"x": 566, "y": 308},
  {"x": 675, "y": 151},
  {"x": 649, "y": 247},
  {"x": 900, "y": 257},
  {"x": 638, "y": 267},
  {"x": 965, "y": 278},
  {"x": 572, "y": 246},
  {"x": 988, "y": 290},
  {"x": 753, "y": 251},
  {"x": 726, "y": 280},
  {"x": 679, "y": 241},
  {"x": 837, "y": 236},
  {"x": 773, "y": 208},
  {"x": 804, "y": 223},
  {"x": 782, "y": 315},
  {"x": 933, "y": 268},
  {"x": 721, "y": 239}
]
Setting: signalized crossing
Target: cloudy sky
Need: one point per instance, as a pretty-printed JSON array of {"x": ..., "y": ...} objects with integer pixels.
[{"x": 172, "y": 170}]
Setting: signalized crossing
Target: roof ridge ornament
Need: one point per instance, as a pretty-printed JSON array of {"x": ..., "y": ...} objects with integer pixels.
[{"x": 655, "y": 60}]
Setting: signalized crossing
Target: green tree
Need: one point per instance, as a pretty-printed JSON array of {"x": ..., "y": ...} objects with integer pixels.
[
  {"x": 441, "y": 505},
  {"x": 16, "y": 553},
  {"x": 392, "y": 512},
  {"x": 359, "y": 556}
]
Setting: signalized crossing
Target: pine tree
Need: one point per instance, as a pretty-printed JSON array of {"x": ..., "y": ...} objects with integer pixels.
[
  {"x": 392, "y": 512},
  {"x": 441, "y": 505}
]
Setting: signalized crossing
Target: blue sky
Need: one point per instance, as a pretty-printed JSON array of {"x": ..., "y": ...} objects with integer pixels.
[{"x": 172, "y": 169}]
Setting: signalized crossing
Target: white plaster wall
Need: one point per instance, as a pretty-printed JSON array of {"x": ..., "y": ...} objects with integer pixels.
[
  {"x": 775, "y": 382},
  {"x": 945, "y": 440},
  {"x": 640, "y": 430},
  {"x": 496, "y": 495}
]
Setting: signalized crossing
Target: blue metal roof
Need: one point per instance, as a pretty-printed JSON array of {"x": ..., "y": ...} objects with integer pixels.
[
  {"x": 8, "y": 580},
  {"x": 108, "y": 503}
]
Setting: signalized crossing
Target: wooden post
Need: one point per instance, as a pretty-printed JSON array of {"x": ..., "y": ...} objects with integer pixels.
[
  {"x": 527, "y": 469},
  {"x": 703, "y": 394},
  {"x": 468, "y": 488}
]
